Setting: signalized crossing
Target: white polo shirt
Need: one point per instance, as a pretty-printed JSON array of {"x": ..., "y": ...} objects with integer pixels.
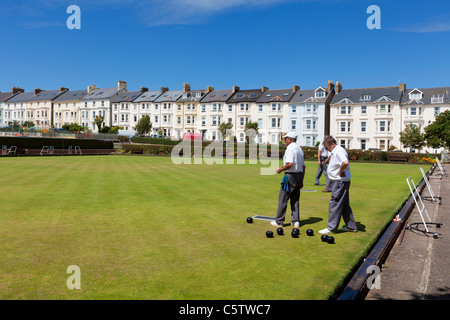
[
  {"x": 294, "y": 154},
  {"x": 338, "y": 156},
  {"x": 323, "y": 151}
]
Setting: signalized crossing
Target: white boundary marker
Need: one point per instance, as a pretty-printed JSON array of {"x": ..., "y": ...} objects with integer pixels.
[
  {"x": 429, "y": 188},
  {"x": 440, "y": 167},
  {"x": 410, "y": 182}
]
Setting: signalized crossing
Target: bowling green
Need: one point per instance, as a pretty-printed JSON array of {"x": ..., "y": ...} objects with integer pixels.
[{"x": 141, "y": 227}]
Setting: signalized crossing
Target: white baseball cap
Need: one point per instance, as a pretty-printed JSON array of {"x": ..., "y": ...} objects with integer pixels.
[{"x": 291, "y": 134}]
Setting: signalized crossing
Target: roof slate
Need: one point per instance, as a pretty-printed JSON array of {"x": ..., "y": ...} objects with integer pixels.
[
  {"x": 126, "y": 96},
  {"x": 148, "y": 96},
  {"x": 71, "y": 95},
  {"x": 44, "y": 95},
  {"x": 101, "y": 93},
  {"x": 217, "y": 96},
  {"x": 246, "y": 96},
  {"x": 355, "y": 95},
  {"x": 280, "y": 95},
  {"x": 169, "y": 96}
]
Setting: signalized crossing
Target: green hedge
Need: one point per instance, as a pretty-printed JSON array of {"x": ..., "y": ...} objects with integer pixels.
[{"x": 57, "y": 143}]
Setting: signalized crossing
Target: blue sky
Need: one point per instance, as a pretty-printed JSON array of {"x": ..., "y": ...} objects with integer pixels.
[{"x": 273, "y": 43}]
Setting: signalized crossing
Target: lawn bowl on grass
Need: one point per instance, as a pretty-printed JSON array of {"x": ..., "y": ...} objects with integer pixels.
[{"x": 141, "y": 227}]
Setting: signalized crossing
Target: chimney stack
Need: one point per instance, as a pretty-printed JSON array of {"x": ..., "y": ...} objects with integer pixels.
[
  {"x": 264, "y": 89},
  {"x": 37, "y": 90},
  {"x": 402, "y": 87},
  {"x": 235, "y": 88},
  {"x": 63, "y": 89},
  {"x": 91, "y": 88},
  {"x": 144, "y": 89},
  {"x": 17, "y": 89},
  {"x": 122, "y": 85},
  {"x": 186, "y": 87},
  {"x": 330, "y": 86},
  {"x": 338, "y": 87},
  {"x": 209, "y": 89},
  {"x": 164, "y": 89},
  {"x": 295, "y": 88}
]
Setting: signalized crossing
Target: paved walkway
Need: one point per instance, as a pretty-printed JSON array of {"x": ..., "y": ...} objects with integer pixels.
[{"x": 418, "y": 267}]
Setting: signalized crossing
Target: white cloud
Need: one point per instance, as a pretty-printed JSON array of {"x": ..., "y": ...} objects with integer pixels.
[
  {"x": 151, "y": 12},
  {"x": 167, "y": 12},
  {"x": 436, "y": 24}
]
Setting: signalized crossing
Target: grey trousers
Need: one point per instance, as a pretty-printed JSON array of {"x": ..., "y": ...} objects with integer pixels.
[
  {"x": 323, "y": 168},
  {"x": 340, "y": 205},
  {"x": 295, "y": 180}
]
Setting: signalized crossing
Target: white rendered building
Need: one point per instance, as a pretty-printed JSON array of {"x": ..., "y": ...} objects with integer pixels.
[
  {"x": 66, "y": 108},
  {"x": 367, "y": 118},
  {"x": 307, "y": 115},
  {"x": 97, "y": 102},
  {"x": 271, "y": 112},
  {"x": 213, "y": 110}
]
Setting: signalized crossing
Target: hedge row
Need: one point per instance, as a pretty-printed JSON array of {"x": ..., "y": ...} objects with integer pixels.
[
  {"x": 57, "y": 143},
  {"x": 309, "y": 153}
]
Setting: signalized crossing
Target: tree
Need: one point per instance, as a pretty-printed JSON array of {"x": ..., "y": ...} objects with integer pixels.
[
  {"x": 437, "y": 134},
  {"x": 29, "y": 124},
  {"x": 251, "y": 131},
  {"x": 144, "y": 125},
  {"x": 99, "y": 121},
  {"x": 412, "y": 138},
  {"x": 223, "y": 127}
]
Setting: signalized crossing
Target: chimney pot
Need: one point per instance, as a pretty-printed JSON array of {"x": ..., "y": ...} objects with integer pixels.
[
  {"x": 209, "y": 89},
  {"x": 186, "y": 87},
  {"x": 144, "y": 89},
  {"x": 264, "y": 89},
  {"x": 37, "y": 90},
  {"x": 295, "y": 88},
  {"x": 235, "y": 88},
  {"x": 402, "y": 87},
  {"x": 164, "y": 89}
]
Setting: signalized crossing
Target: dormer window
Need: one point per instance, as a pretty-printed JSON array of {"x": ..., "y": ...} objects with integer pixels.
[
  {"x": 366, "y": 97},
  {"x": 437, "y": 98},
  {"x": 320, "y": 94},
  {"x": 198, "y": 94},
  {"x": 415, "y": 95}
]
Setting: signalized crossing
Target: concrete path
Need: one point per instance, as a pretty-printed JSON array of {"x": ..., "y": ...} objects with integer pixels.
[{"x": 418, "y": 267}]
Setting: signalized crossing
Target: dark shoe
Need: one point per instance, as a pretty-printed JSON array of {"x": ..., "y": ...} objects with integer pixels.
[{"x": 318, "y": 184}]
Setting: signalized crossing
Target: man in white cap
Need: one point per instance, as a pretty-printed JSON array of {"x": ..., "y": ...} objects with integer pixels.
[
  {"x": 339, "y": 174},
  {"x": 294, "y": 169}
]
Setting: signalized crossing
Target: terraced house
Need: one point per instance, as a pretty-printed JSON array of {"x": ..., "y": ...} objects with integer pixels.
[
  {"x": 271, "y": 112},
  {"x": 66, "y": 108},
  {"x": 359, "y": 118},
  {"x": 34, "y": 106},
  {"x": 5, "y": 113},
  {"x": 307, "y": 115},
  {"x": 97, "y": 102},
  {"x": 214, "y": 110}
]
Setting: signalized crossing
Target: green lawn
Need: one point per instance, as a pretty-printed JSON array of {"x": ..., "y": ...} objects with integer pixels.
[{"x": 140, "y": 227}]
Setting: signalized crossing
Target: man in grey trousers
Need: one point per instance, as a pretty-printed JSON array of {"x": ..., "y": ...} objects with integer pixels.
[
  {"x": 339, "y": 175},
  {"x": 294, "y": 168},
  {"x": 322, "y": 156}
]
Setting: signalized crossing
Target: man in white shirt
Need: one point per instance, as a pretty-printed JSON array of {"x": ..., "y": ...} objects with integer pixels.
[
  {"x": 322, "y": 156},
  {"x": 294, "y": 168},
  {"x": 339, "y": 174}
]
